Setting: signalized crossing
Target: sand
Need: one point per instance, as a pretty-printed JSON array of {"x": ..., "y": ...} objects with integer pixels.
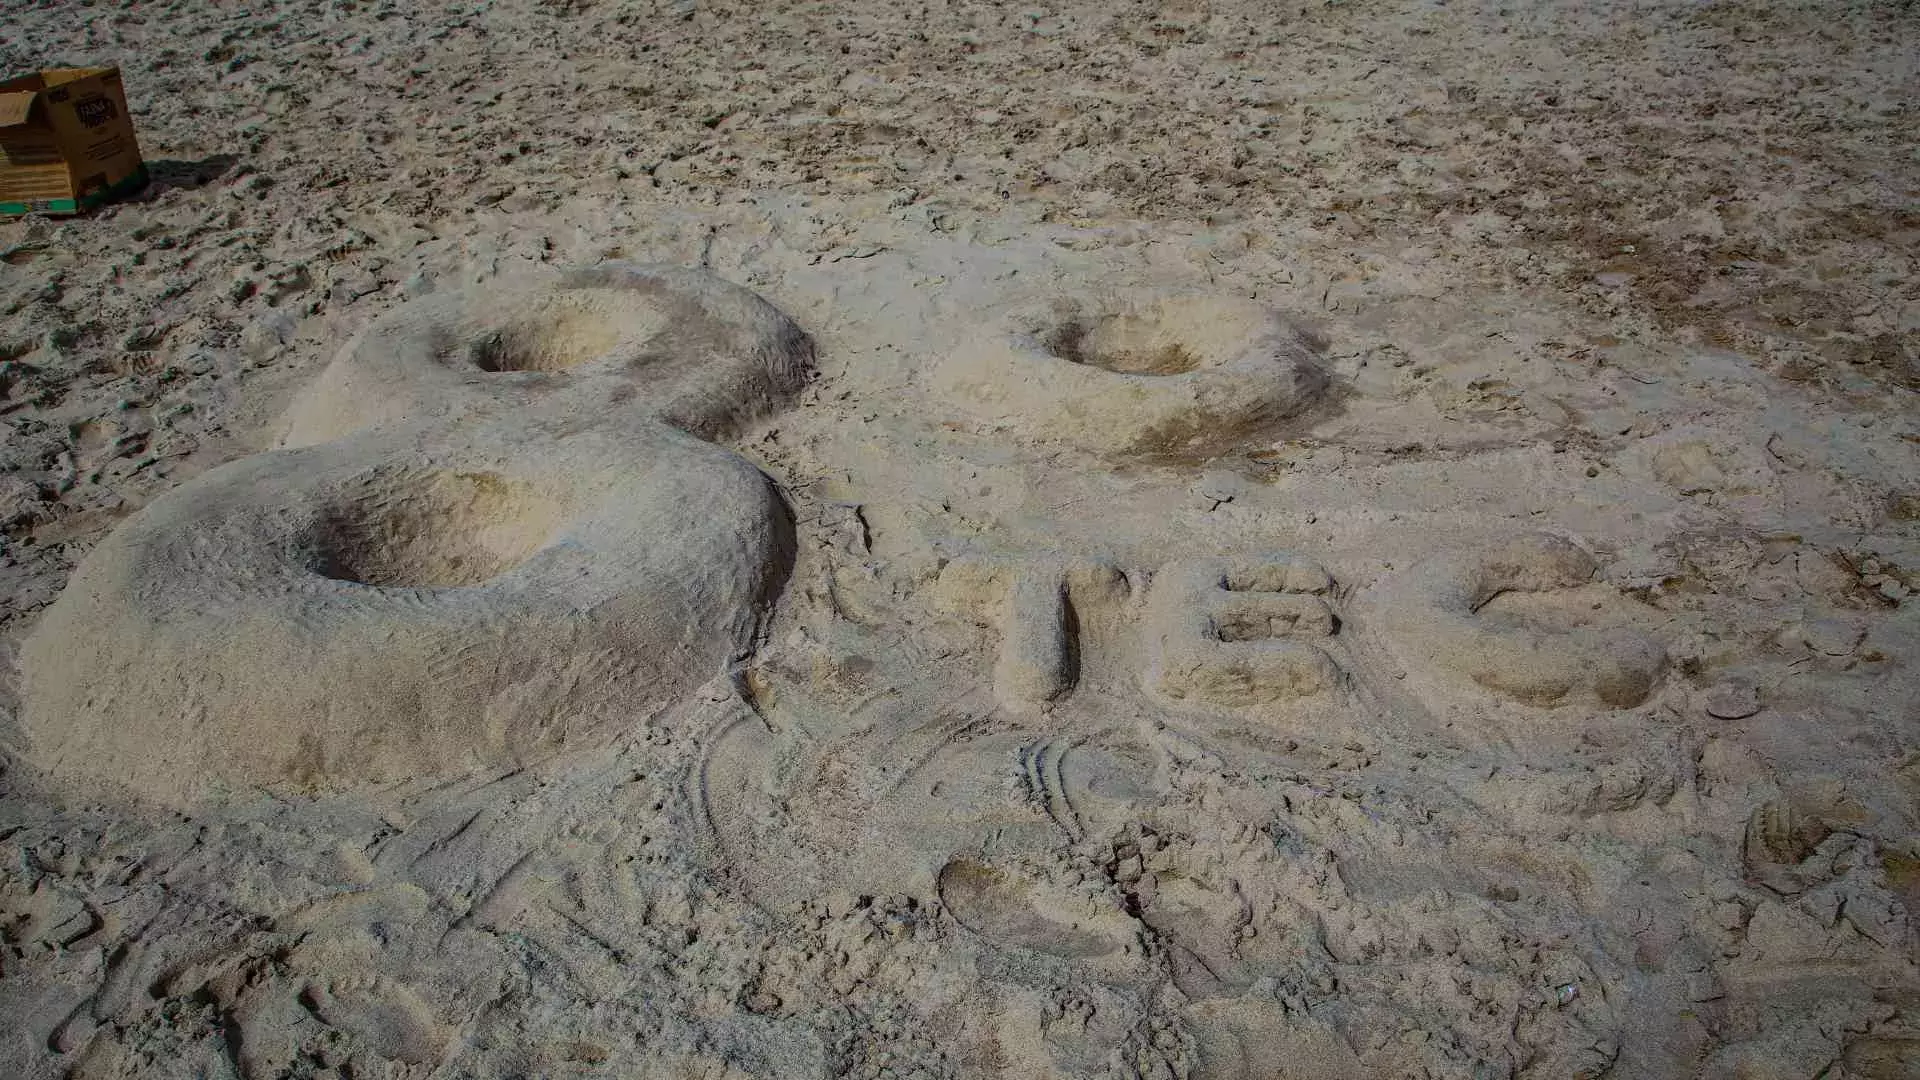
[{"x": 1518, "y": 680}]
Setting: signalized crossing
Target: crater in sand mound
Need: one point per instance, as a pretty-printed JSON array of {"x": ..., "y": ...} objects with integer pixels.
[
  {"x": 539, "y": 582},
  {"x": 1128, "y": 344},
  {"x": 433, "y": 529},
  {"x": 1135, "y": 373},
  {"x": 675, "y": 343},
  {"x": 561, "y": 331}
]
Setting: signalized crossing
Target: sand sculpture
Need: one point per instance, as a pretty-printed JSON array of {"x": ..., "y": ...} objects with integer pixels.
[
  {"x": 1224, "y": 631},
  {"x": 681, "y": 344},
  {"x": 1565, "y": 288},
  {"x": 1240, "y": 631},
  {"x": 535, "y": 568},
  {"x": 1136, "y": 374},
  {"x": 1037, "y": 605},
  {"x": 497, "y": 531},
  {"x": 1562, "y": 640}
]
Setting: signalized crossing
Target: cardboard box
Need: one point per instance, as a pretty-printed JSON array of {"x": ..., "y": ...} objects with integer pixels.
[{"x": 66, "y": 142}]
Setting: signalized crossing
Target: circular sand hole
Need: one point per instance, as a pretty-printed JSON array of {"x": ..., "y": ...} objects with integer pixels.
[
  {"x": 433, "y": 529},
  {"x": 1126, "y": 344},
  {"x": 559, "y": 331}
]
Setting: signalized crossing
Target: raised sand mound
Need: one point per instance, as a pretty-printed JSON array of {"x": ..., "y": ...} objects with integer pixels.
[
  {"x": 515, "y": 572},
  {"x": 1135, "y": 373},
  {"x": 667, "y": 341},
  {"x": 1525, "y": 620}
]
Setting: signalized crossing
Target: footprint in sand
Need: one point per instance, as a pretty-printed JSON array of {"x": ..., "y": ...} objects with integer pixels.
[
  {"x": 1017, "y": 908},
  {"x": 1249, "y": 1039},
  {"x": 388, "y": 1018}
]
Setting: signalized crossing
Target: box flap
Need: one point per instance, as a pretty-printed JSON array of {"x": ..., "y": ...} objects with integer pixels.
[
  {"x": 30, "y": 81},
  {"x": 16, "y": 107},
  {"x": 56, "y": 76}
]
